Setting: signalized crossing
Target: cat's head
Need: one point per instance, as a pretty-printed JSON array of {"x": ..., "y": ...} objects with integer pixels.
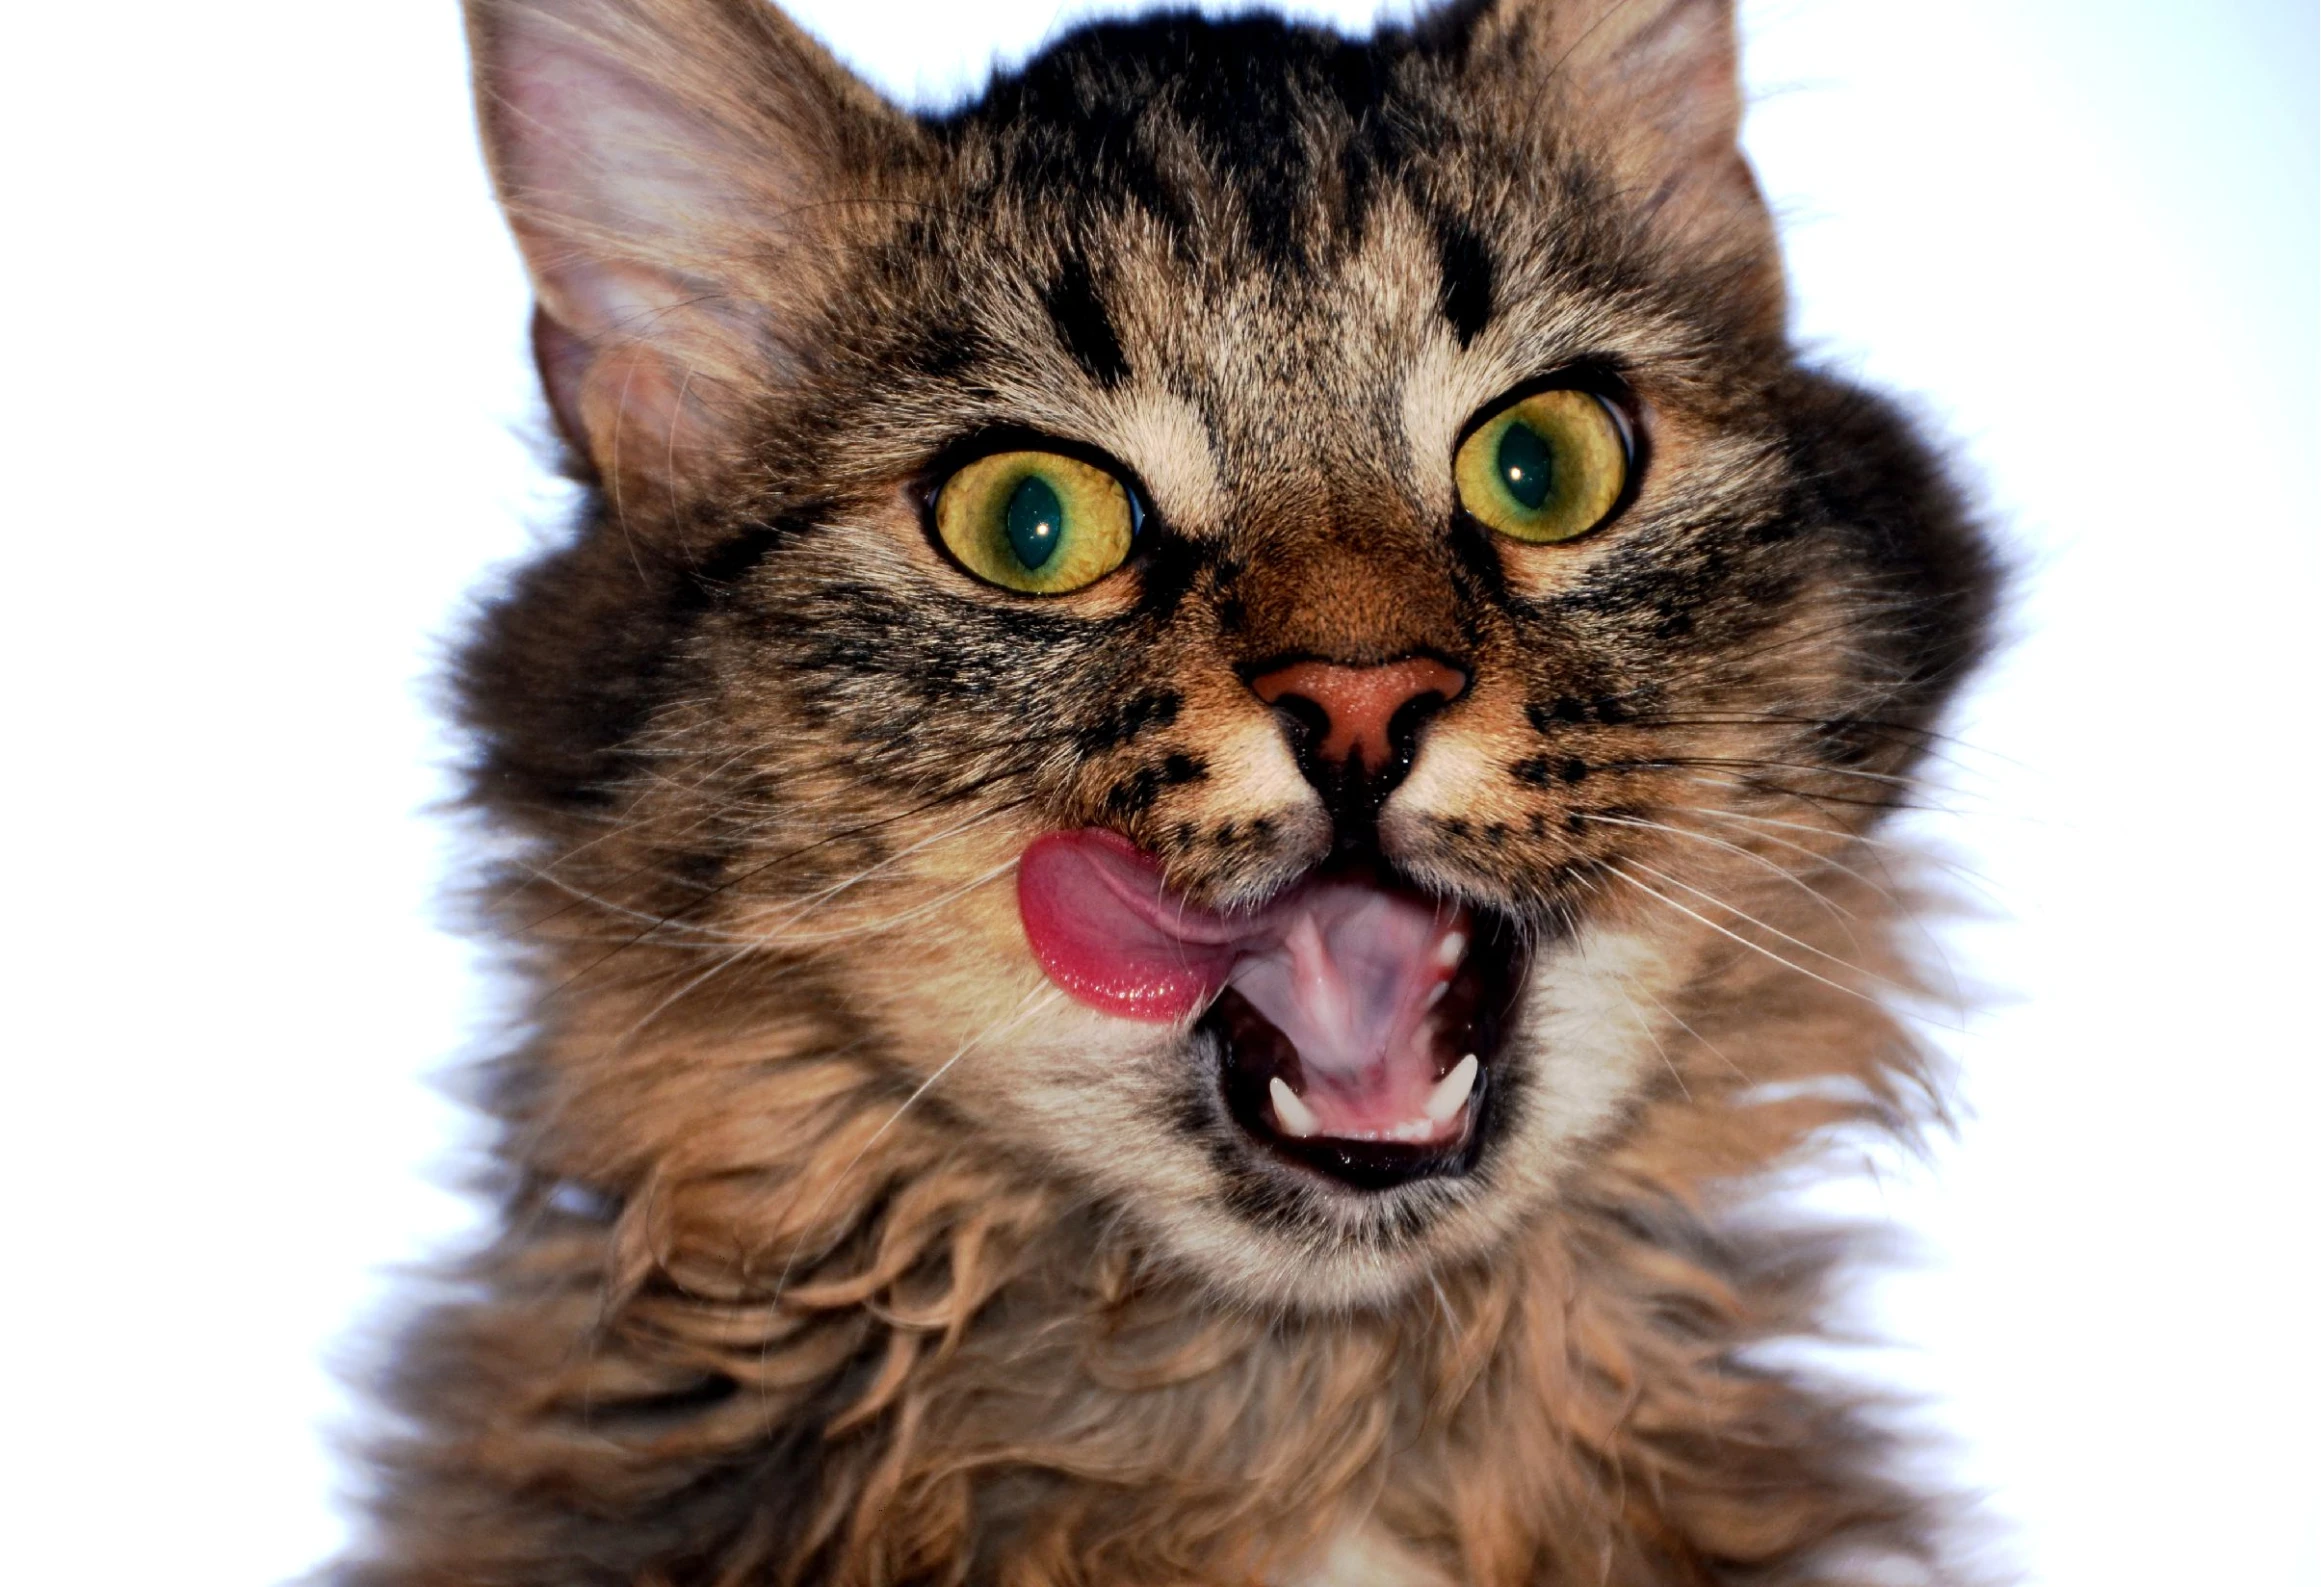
[{"x": 1252, "y": 618}]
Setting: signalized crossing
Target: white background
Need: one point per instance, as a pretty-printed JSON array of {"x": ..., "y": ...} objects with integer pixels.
[{"x": 262, "y": 401}]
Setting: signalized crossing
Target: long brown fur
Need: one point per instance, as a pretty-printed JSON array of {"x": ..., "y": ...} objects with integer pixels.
[{"x": 838, "y": 1246}]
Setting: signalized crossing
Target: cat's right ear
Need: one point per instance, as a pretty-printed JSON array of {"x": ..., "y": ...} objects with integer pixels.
[
  {"x": 1653, "y": 87},
  {"x": 675, "y": 172}
]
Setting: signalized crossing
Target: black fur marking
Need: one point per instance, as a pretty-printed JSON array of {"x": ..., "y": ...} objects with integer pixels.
[
  {"x": 1249, "y": 92},
  {"x": 1134, "y": 794},
  {"x": 1468, "y": 277},
  {"x": 943, "y": 352},
  {"x": 1157, "y": 708},
  {"x": 1083, "y": 326},
  {"x": 1166, "y": 568},
  {"x": 732, "y": 561}
]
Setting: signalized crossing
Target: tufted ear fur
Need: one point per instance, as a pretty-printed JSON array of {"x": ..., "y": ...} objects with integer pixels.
[
  {"x": 1654, "y": 88},
  {"x": 673, "y": 170}
]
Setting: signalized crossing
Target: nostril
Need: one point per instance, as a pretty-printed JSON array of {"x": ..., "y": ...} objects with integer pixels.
[
  {"x": 1361, "y": 718},
  {"x": 1307, "y": 721}
]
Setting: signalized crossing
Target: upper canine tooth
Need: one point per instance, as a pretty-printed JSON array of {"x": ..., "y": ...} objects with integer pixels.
[
  {"x": 1450, "y": 1092},
  {"x": 1297, "y": 1120},
  {"x": 1451, "y": 950}
]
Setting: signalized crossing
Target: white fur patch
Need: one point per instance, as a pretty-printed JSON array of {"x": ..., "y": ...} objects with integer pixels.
[
  {"x": 1162, "y": 436},
  {"x": 1364, "y": 1556},
  {"x": 1441, "y": 783},
  {"x": 1587, "y": 1031},
  {"x": 1255, "y": 761}
]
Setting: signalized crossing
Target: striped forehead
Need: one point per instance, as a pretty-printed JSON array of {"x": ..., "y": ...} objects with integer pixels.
[
  {"x": 1211, "y": 385},
  {"x": 1209, "y": 389}
]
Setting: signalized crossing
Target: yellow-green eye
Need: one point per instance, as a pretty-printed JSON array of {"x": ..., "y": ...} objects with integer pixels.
[
  {"x": 1039, "y": 522},
  {"x": 1550, "y": 467}
]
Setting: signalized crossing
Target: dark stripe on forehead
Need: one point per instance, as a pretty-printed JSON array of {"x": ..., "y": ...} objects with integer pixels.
[
  {"x": 1132, "y": 112},
  {"x": 1467, "y": 277},
  {"x": 1083, "y": 326}
]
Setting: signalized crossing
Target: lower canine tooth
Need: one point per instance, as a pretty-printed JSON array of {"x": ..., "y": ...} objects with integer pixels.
[
  {"x": 1450, "y": 1092},
  {"x": 1451, "y": 950},
  {"x": 1297, "y": 1120}
]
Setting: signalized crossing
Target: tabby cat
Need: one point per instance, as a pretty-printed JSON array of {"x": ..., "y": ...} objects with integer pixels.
[{"x": 1198, "y": 789}]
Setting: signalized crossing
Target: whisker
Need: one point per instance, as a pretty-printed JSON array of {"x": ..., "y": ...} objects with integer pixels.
[
  {"x": 1617, "y": 869},
  {"x": 1837, "y": 911},
  {"x": 1653, "y": 1036},
  {"x": 764, "y": 941},
  {"x": 735, "y": 880},
  {"x": 1742, "y": 914},
  {"x": 1038, "y": 999}
]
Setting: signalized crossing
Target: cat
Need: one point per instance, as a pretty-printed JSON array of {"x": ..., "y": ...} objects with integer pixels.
[{"x": 1200, "y": 788}]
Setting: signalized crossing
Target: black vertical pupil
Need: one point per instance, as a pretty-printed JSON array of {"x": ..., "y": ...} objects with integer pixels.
[
  {"x": 1526, "y": 465},
  {"x": 1035, "y": 521}
]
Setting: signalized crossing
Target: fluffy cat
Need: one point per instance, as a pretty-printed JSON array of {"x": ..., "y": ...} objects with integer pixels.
[{"x": 1199, "y": 787}]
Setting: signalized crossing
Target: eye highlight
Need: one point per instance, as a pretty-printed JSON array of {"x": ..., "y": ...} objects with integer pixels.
[
  {"x": 1549, "y": 467},
  {"x": 1040, "y": 523}
]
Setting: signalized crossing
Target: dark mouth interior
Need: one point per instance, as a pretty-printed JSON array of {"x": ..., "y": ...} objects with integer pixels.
[{"x": 1470, "y": 1018}]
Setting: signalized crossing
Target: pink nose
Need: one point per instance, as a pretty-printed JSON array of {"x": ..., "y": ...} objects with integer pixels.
[{"x": 1358, "y": 705}]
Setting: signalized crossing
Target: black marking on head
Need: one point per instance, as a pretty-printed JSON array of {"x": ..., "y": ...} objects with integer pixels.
[
  {"x": 1548, "y": 716},
  {"x": 1157, "y": 708},
  {"x": 1083, "y": 326},
  {"x": 1257, "y": 99},
  {"x": 1166, "y": 566},
  {"x": 1467, "y": 277},
  {"x": 1134, "y": 794},
  {"x": 1539, "y": 770},
  {"x": 732, "y": 560},
  {"x": 942, "y": 352}
]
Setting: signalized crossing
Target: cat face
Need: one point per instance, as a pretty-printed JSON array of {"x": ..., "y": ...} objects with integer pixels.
[{"x": 1248, "y": 824}]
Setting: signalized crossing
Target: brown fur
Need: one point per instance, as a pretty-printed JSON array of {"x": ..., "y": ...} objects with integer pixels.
[{"x": 839, "y": 1246}]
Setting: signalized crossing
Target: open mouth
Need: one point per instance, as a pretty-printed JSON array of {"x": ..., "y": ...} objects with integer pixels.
[{"x": 1356, "y": 1019}]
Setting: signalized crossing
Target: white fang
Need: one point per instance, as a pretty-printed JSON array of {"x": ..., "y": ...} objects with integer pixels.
[
  {"x": 1297, "y": 1120},
  {"x": 1451, "y": 1092}
]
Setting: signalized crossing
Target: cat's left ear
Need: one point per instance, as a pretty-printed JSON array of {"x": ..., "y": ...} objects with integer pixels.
[
  {"x": 1651, "y": 88},
  {"x": 677, "y": 173}
]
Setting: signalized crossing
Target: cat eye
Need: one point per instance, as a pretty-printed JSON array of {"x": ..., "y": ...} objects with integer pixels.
[
  {"x": 1038, "y": 522},
  {"x": 1548, "y": 467}
]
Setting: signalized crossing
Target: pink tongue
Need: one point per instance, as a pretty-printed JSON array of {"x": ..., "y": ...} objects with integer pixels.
[
  {"x": 1349, "y": 977},
  {"x": 1107, "y": 931},
  {"x": 1347, "y": 971}
]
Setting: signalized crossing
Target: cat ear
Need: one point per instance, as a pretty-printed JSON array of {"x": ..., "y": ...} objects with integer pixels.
[
  {"x": 1654, "y": 87},
  {"x": 671, "y": 169}
]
